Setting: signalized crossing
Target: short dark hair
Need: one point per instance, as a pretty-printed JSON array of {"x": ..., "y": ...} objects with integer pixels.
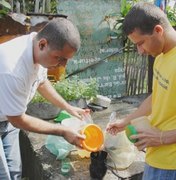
[
  {"x": 60, "y": 31},
  {"x": 144, "y": 17}
]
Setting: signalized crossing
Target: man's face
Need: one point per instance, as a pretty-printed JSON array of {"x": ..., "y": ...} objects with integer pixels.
[
  {"x": 53, "y": 58},
  {"x": 148, "y": 44}
]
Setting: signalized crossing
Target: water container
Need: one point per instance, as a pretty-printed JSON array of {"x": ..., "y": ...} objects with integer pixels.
[
  {"x": 94, "y": 138},
  {"x": 65, "y": 166},
  {"x": 93, "y": 133},
  {"x": 139, "y": 124},
  {"x": 77, "y": 125}
]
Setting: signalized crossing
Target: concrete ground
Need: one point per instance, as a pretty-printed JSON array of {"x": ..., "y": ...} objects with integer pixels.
[{"x": 39, "y": 163}]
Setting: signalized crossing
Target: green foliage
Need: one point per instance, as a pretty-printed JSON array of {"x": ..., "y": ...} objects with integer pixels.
[
  {"x": 72, "y": 90},
  {"x": 115, "y": 20},
  {"x": 4, "y": 8},
  {"x": 125, "y": 7},
  {"x": 5, "y": 4},
  {"x": 171, "y": 14},
  {"x": 54, "y": 6},
  {"x": 38, "y": 98},
  {"x": 30, "y": 6}
]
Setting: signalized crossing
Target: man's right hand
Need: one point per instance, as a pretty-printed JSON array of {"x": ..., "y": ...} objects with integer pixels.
[
  {"x": 118, "y": 126},
  {"x": 72, "y": 136}
]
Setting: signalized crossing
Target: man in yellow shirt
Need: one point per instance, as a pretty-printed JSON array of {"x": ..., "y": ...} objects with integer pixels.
[{"x": 149, "y": 29}]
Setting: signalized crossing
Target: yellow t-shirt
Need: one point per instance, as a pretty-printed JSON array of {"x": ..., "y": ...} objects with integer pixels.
[{"x": 164, "y": 109}]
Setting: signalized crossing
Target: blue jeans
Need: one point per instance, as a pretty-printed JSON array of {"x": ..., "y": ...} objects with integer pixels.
[
  {"x": 151, "y": 173},
  {"x": 10, "y": 158}
]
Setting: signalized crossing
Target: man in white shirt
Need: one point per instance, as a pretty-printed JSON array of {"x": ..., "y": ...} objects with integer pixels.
[{"x": 23, "y": 70}]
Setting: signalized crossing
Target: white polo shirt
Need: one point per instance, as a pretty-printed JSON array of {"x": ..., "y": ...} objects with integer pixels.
[{"x": 19, "y": 76}]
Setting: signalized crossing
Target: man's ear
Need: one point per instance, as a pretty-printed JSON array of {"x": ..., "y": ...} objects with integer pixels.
[
  {"x": 42, "y": 44},
  {"x": 158, "y": 29}
]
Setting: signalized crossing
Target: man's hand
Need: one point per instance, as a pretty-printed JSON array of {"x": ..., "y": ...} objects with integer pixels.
[
  {"x": 150, "y": 138},
  {"x": 72, "y": 136},
  {"x": 114, "y": 128},
  {"x": 36, "y": 125},
  {"x": 77, "y": 112}
]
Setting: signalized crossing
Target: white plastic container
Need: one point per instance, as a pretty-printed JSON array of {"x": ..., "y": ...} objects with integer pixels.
[
  {"x": 102, "y": 101},
  {"x": 73, "y": 123},
  {"x": 77, "y": 125}
]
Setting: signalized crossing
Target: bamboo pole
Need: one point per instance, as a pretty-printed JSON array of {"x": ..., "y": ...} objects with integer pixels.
[
  {"x": 48, "y": 6},
  {"x": 43, "y": 6},
  {"x": 36, "y": 9},
  {"x": 12, "y": 5}
]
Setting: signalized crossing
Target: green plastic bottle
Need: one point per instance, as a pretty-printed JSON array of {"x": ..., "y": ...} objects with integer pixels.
[{"x": 131, "y": 130}]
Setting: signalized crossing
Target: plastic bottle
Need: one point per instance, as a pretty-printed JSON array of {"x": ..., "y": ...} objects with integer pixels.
[
  {"x": 94, "y": 137},
  {"x": 77, "y": 125},
  {"x": 139, "y": 124},
  {"x": 131, "y": 130},
  {"x": 65, "y": 166},
  {"x": 111, "y": 140}
]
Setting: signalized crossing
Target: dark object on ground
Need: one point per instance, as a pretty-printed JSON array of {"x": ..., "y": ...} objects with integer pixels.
[
  {"x": 98, "y": 167},
  {"x": 95, "y": 107}
]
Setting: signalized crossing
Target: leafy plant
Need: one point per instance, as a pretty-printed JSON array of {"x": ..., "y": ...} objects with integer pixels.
[
  {"x": 115, "y": 20},
  {"x": 53, "y": 5},
  {"x": 38, "y": 98},
  {"x": 72, "y": 90},
  {"x": 116, "y": 26},
  {"x": 4, "y": 8},
  {"x": 171, "y": 14}
]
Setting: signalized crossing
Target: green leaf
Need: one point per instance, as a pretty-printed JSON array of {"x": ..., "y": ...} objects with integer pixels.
[
  {"x": 122, "y": 6},
  {"x": 73, "y": 89},
  {"x": 5, "y": 4},
  {"x": 118, "y": 26}
]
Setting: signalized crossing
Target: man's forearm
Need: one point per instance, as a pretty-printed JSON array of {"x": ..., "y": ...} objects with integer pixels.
[
  {"x": 168, "y": 137},
  {"x": 143, "y": 110},
  {"x": 48, "y": 92},
  {"x": 36, "y": 125}
]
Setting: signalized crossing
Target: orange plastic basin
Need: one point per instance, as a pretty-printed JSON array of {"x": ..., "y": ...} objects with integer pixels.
[{"x": 94, "y": 138}]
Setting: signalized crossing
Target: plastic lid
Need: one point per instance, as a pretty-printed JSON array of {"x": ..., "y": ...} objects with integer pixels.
[
  {"x": 130, "y": 130},
  {"x": 94, "y": 138},
  {"x": 62, "y": 115},
  {"x": 72, "y": 122}
]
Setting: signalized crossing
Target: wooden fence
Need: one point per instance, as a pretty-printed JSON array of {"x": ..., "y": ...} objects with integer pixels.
[{"x": 136, "y": 71}]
